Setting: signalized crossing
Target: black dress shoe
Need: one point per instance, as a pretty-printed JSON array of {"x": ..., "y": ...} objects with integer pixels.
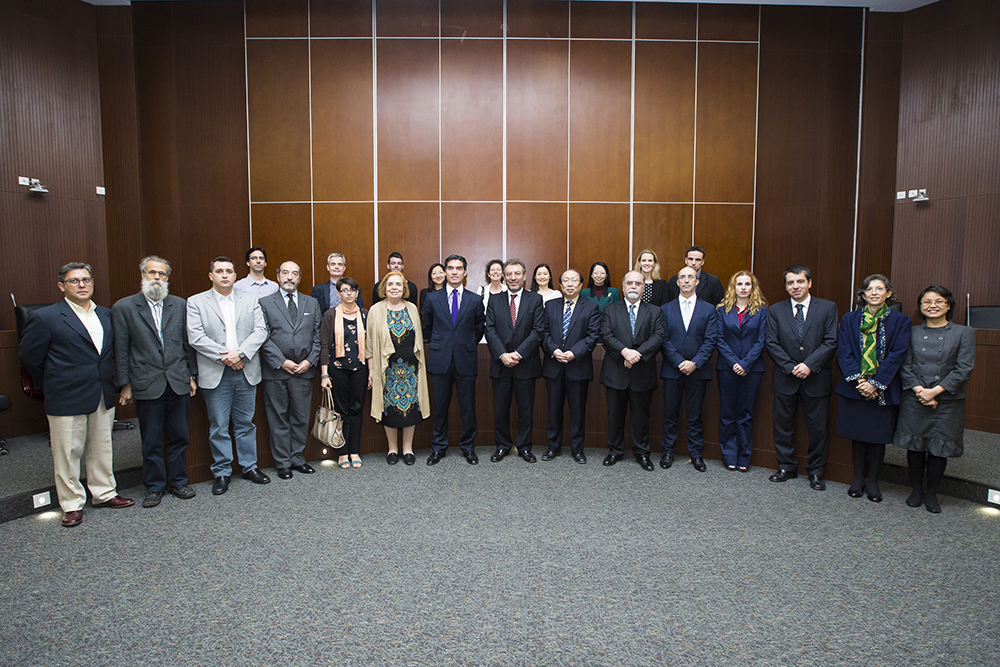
[
  {"x": 526, "y": 455},
  {"x": 305, "y": 469},
  {"x": 580, "y": 457},
  {"x": 435, "y": 458},
  {"x": 550, "y": 454},
  {"x": 471, "y": 458},
  {"x": 875, "y": 497},
  {"x": 932, "y": 504},
  {"x": 612, "y": 459},
  {"x": 152, "y": 499},
  {"x": 391, "y": 458},
  {"x": 257, "y": 477},
  {"x": 644, "y": 462},
  {"x": 183, "y": 492},
  {"x": 699, "y": 464},
  {"x": 666, "y": 460},
  {"x": 409, "y": 459},
  {"x": 856, "y": 493},
  {"x": 284, "y": 473},
  {"x": 783, "y": 475},
  {"x": 498, "y": 455},
  {"x": 816, "y": 483},
  {"x": 916, "y": 499},
  {"x": 220, "y": 485}
]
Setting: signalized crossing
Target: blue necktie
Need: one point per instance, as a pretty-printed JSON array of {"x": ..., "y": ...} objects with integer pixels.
[
  {"x": 631, "y": 318},
  {"x": 569, "y": 304},
  {"x": 454, "y": 307}
]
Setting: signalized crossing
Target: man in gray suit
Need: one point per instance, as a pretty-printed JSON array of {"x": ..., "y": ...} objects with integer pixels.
[
  {"x": 226, "y": 328},
  {"x": 289, "y": 357},
  {"x": 156, "y": 368}
]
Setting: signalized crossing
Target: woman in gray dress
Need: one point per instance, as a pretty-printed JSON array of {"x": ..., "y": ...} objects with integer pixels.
[{"x": 932, "y": 413}]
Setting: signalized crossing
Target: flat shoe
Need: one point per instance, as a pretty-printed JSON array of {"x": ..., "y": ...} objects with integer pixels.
[
  {"x": 856, "y": 493},
  {"x": 875, "y": 497},
  {"x": 409, "y": 459},
  {"x": 391, "y": 458}
]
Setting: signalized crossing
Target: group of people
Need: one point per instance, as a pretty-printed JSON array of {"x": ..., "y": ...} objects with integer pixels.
[{"x": 900, "y": 384}]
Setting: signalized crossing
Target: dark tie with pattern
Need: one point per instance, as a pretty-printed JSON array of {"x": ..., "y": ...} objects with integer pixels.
[
  {"x": 631, "y": 318},
  {"x": 566, "y": 316},
  {"x": 293, "y": 311},
  {"x": 800, "y": 321}
]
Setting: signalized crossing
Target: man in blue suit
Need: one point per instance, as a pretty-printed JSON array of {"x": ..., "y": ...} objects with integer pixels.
[
  {"x": 453, "y": 322},
  {"x": 326, "y": 292},
  {"x": 68, "y": 349},
  {"x": 687, "y": 347}
]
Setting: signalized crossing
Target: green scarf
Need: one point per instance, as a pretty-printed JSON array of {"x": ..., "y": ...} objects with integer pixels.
[{"x": 869, "y": 343}]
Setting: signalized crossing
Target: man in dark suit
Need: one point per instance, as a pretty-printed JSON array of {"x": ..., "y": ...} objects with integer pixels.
[
  {"x": 157, "y": 369},
  {"x": 67, "y": 349},
  {"x": 709, "y": 288},
  {"x": 514, "y": 332},
  {"x": 289, "y": 358},
  {"x": 687, "y": 348},
  {"x": 395, "y": 263},
  {"x": 632, "y": 333},
  {"x": 572, "y": 327},
  {"x": 326, "y": 292},
  {"x": 802, "y": 340},
  {"x": 453, "y": 322}
]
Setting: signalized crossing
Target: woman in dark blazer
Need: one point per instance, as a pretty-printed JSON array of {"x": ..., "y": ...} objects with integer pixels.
[
  {"x": 935, "y": 369},
  {"x": 871, "y": 345},
  {"x": 741, "y": 333},
  {"x": 598, "y": 290},
  {"x": 435, "y": 281},
  {"x": 654, "y": 288}
]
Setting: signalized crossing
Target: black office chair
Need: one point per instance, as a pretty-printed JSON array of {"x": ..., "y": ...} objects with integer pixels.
[
  {"x": 4, "y": 405},
  {"x": 983, "y": 317}
]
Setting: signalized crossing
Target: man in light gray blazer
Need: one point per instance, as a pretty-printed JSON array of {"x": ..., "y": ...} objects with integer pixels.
[
  {"x": 288, "y": 364},
  {"x": 156, "y": 368},
  {"x": 226, "y": 328}
]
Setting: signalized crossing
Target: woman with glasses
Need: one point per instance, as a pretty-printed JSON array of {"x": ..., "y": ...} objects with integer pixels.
[
  {"x": 871, "y": 345},
  {"x": 598, "y": 290},
  {"x": 935, "y": 369}
]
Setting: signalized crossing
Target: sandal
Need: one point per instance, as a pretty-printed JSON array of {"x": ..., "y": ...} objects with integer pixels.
[
  {"x": 744, "y": 469},
  {"x": 345, "y": 464},
  {"x": 355, "y": 463},
  {"x": 733, "y": 468}
]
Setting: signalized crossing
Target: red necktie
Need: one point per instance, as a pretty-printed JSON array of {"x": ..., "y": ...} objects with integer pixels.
[{"x": 513, "y": 312}]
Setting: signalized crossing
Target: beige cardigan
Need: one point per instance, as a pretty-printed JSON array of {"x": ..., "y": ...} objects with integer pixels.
[{"x": 379, "y": 347}]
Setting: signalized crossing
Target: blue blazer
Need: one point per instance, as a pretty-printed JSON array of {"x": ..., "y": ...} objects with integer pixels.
[
  {"x": 459, "y": 341},
  {"x": 695, "y": 344},
  {"x": 59, "y": 353},
  {"x": 743, "y": 345},
  {"x": 892, "y": 340},
  {"x": 581, "y": 339},
  {"x": 611, "y": 295}
]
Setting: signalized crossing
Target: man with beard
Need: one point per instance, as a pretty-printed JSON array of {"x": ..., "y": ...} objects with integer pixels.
[
  {"x": 157, "y": 369},
  {"x": 288, "y": 366}
]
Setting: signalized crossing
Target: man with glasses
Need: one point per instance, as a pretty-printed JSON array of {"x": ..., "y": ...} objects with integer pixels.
[
  {"x": 255, "y": 283},
  {"x": 157, "y": 369},
  {"x": 67, "y": 349}
]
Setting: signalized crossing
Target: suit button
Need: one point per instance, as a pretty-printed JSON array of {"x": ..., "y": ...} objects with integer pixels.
[{"x": 801, "y": 348}]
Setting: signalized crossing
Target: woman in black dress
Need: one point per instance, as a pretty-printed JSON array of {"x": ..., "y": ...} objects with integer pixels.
[{"x": 654, "y": 288}]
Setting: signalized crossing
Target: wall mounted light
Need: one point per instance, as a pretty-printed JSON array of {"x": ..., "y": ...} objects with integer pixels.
[
  {"x": 921, "y": 196},
  {"x": 37, "y": 187}
]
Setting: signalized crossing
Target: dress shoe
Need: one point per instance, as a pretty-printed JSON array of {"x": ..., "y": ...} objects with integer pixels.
[
  {"x": 117, "y": 502},
  {"x": 305, "y": 469},
  {"x": 435, "y": 458},
  {"x": 550, "y": 454},
  {"x": 666, "y": 460},
  {"x": 391, "y": 458},
  {"x": 580, "y": 457},
  {"x": 644, "y": 462},
  {"x": 612, "y": 459},
  {"x": 856, "y": 493},
  {"x": 932, "y": 504},
  {"x": 699, "y": 464},
  {"x": 284, "y": 473},
  {"x": 816, "y": 483},
  {"x": 472, "y": 458},
  {"x": 256, "y": 476},
  {"x": 783, "y": 475},
  {"x": 152, "y": 499},
  {"x": 73, "y": 518},
  {"x": 184, "y": 492},
  {"x": 875, "y": 497},
  {"x": 498, "y": 455},
  {"x": 916, "y": 499},
  {"x": 526, "y": 455},
  {"x": 220, "y": 485},
  {"x": 409, "y": 459}
]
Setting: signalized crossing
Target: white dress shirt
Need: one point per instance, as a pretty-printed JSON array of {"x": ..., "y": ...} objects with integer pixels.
[
  {"x": 805, "y": 304},
  {"x": 227, "y": 304},
  {"x": 687, "y": 309},
  {"x": 91, "y": 321}
]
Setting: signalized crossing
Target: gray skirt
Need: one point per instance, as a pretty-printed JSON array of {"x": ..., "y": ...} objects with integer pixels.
[{"x": 939, "y": 431}]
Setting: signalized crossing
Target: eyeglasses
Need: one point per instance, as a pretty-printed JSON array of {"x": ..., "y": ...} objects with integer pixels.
[
  {"x": 78, "y": 281},
  {"x": 347, "y": 290},
  {"x": 156, "y": 274},
  {"x": 875, "y": 289},
  {"x": 939, "y": 303}
]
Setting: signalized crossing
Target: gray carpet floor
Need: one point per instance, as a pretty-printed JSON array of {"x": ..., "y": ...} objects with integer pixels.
[{"x": 507, "y": 564}]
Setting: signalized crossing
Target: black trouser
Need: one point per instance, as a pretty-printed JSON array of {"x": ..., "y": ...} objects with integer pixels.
[{"x": 349, "y": 389}]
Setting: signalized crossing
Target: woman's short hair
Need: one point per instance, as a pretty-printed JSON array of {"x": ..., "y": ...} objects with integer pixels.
[
  {"x": 390, "y": 274},
  {"x": 859, "y": 297},
  {"x": 489, "y": 265},
  {"x": 350, "y": 282},
  {"x": 944, "y": 293}
]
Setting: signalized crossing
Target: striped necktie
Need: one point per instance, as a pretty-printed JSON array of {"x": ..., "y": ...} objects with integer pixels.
[{"x": 566, "y": 316}]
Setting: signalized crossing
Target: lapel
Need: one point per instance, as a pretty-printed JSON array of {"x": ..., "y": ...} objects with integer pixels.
[
  {"x": 283, "y": 307},
  {"x": 146, "y": 314},
  {"x": 213, "y": 304},
  {"x": 105, "y": 318},
  {"x": 74, "y": 323},
  {"x": 168, "y": 313},
  {"x": 626, "y": 324},
  {"x": 468, "y": 301}
]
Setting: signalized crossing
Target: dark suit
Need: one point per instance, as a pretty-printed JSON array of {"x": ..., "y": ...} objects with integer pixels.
[
  {"x": 321, "y": 293},
  {"x": 160, "y": 379},
  {"x": 413, "y": 298},
  {"x": 630, "y": 387},
  {"x": 679, "y": 345},
  {"x": 709, "y": 289},
  {"x": 452, "y": 360},
  {"x": 524, "y": 338},
  {"x": 743, "y": 345},
  {"x": 815, "y": 350},
  {"x": 287, "y": 396},
  {"x": 569, "y": 380}
]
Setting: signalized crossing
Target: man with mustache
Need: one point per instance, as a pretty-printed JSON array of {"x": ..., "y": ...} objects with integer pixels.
[{"x": 157, "y": 370}]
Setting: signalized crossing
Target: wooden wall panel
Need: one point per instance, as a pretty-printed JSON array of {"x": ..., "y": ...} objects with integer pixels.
[
  {"x": 410, "y": 228},
  {"x": 599, "y": 233},
  {"x": 472, "y": 120},
  {"x": 277, "y": 18},
  {"x": 727, "y": 110},
  {"x": 602, "y": 20},
  {"x": 666, "y": 229},
  {"x": 343, "y": 149},
  {"x": 278, "y": 112},
  {"x": 285, "y": 233},
  {"x": 340, "y": 18},
  {"x": 728, "y": 22},
  {"x": 536, "y": 233},
  {"x": 664, "y": 121},
  {"x": 537, "y": 118},
  {"x": 473, "y": 230},
  {"x": 666, "y": 20},
  {"x": 350, "y": 230},
  {"x": 600, "y": 120},
  {"x": 406, "y": 18},
  {"x": 472, "y": 18},
  {"x": 408, "y": 120},
  {"x": 726, "y": 234},
  {"x": 527, "y": 18}
]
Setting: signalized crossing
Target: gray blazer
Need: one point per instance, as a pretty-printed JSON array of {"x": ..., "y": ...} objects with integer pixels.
[
  {"x": 207, "y": 335},
  {"x": 296, "y": 341},
  {"x": 140, "y": 360},
  {"x": 943, "y": 356}
]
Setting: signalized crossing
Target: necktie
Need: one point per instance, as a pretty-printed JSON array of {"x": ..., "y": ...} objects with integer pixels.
[
  {"x": 687, "y": 313},
  {"x": 800, "y": 321},
  {"x": 293, "y": 311},
  {"x": 566, "y": 315},
  {"x": 454, "y": 307},
  {"x": 513, "y": 311},
  {"x": 158, "y": 320},
  {"x": 631, "y": 317}
]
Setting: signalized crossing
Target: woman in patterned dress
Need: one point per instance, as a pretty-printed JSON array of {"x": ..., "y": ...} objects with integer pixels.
[{"x": 396, "y": 358}]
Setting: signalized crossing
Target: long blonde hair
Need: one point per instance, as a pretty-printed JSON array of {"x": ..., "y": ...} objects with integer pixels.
[
  {"x": 655, "y": 273},
  {"x": 756, "y": 300}
]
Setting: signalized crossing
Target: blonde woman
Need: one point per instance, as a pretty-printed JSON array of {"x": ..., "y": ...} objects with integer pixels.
[{"x": 654, "y": 288}]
